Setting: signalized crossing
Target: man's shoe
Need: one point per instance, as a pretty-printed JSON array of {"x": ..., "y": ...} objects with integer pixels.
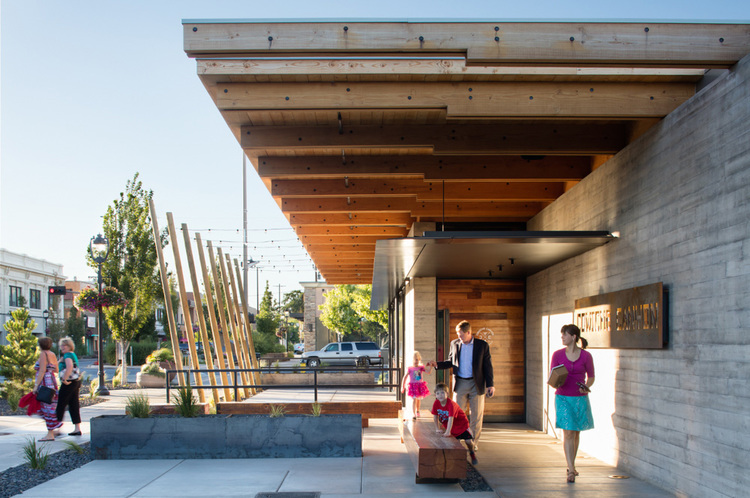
[{"x": 473, "y": 457}]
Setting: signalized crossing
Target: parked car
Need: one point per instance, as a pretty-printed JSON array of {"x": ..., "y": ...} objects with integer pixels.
[
  {"x": 299, "y": 348},
  {"x": 345, "y": 353}
]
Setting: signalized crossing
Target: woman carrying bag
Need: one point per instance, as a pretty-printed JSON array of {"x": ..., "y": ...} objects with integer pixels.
[
  {"x": 572, "y": 406},
  {"x": 46, "y": 373},
  {"x": 70, "y": 385}
]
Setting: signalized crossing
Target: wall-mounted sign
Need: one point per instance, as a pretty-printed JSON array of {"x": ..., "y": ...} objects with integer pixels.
[{"x": 628, "y": 319}]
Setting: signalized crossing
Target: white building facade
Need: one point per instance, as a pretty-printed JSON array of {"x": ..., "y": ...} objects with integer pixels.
[{"x": 25, "y": 281}]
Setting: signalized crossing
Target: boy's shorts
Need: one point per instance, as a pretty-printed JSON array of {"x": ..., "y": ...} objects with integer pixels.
[{"x": 464, "y": 435}]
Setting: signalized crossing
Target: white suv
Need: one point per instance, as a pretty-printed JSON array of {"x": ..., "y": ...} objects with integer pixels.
[{"x": 355, "y": 353}]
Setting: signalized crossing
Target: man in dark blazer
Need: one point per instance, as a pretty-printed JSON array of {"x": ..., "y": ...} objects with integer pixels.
[{"x": 470, "y": 360}]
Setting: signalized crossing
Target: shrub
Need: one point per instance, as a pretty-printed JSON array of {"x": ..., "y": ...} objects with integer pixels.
[
  {"x": 72, "y": 445},
  {"x": 117, "y": 379},
  {"x": 35, "y": 456},
  {"x": 138, "y": 406},
  {"x": 316, "y": 409},
  {"x": 153, "y": 368},
  {"x": 141, "y": 350},
  {"x": 163, "y": 354},
  {"x": 278, "y": 411},
  {"x": 13, "y": 391},
  {"x": 185, "y": 402}
]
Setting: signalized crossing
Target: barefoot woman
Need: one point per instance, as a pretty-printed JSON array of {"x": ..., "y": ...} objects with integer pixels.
[{"x": 571, "y": 399}]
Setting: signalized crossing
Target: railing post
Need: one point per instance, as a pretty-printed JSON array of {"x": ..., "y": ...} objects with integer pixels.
[
  {"x": 315, "y": 383},
  {"x": 236, "y": 389}
]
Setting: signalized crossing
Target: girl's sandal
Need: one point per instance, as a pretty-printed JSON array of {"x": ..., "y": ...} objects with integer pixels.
[
  {"x": 571, "y": 476},
  {"x": 575, "y": 471}
]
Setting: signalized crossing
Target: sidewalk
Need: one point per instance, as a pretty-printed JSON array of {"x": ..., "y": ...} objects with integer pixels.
[{"x": 515, "y": 460}]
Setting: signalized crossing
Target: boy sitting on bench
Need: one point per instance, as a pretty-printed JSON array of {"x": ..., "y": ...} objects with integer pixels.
[{"x": 451, "y": 420}]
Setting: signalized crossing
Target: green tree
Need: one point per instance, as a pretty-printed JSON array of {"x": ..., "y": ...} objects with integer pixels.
[
  {"x": 75, "y": 328},
  {"x": 347, "y": 310},
  {"x": 294, "y": 302},
  {"x": 338, "y": 312},
  {"x": 131, "y": 266},
  {"x": 18, "y": 357},
  {"x": 267, "y": 320}
]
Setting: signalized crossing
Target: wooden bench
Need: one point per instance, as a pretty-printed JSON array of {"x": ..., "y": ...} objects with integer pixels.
[
  {"x": 436, "y": 458},
  {"x": 368, "y": 409}
]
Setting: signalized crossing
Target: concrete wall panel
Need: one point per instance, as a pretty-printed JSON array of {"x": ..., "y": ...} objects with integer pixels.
[{"x": 680, "y": 197}]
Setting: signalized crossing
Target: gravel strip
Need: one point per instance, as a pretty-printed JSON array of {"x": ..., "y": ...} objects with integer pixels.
[
  {"x": 474, "y": 481},
  {"x": 6, "y": 410},
  {"x": 18, "y": 479}
]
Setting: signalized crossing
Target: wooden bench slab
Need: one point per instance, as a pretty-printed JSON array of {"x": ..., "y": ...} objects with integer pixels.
[
  {"x": 434, "y": 456},
  {"x": 368, "y": 409}
]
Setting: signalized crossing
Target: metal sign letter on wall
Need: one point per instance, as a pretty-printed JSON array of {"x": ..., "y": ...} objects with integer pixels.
[{"x": 628, "y": 319}]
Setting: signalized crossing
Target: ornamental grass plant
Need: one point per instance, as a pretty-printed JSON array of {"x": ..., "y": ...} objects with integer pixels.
[{"x": 185, "y": 402}]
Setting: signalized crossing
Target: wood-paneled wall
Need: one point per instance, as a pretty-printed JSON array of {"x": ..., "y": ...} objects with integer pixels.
[{"x": 495, "y": 309}]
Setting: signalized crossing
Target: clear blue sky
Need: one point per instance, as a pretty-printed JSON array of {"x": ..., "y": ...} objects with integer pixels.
[{"x": 94, "y": 91}]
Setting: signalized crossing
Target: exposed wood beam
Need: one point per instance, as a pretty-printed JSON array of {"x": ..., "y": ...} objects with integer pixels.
[
  {"x": 508, "y": 168},
  {"x": 467, "y": 99},
  {"x": 562, "y": 138},
  {"x": 489, "y": 43},
  {"x": 341, "y": 239},
  {"x": 471, "y": 209},
  {"x": 367, "y": 253},
  {"x": 352, "y": 230},
  {"x": 386, "y": 187},
  {"x": 361, "y": 219},
  {"x": 428, "y": 190},
  {"x": 448, "y": 68},
  {"x": 348, "y": 204}
]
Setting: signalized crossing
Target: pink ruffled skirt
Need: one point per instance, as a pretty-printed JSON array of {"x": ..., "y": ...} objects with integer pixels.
[{"x": 418, "y": 389}]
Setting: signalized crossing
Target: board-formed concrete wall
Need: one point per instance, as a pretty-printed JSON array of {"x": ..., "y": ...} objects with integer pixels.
[{"x": 680, "y": 198}]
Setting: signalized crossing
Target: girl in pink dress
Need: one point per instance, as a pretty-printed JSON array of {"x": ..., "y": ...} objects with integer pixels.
[{"x": 417, "y": 386}]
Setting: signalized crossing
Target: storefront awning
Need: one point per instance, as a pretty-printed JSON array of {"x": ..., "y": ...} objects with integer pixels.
[{"x": 501, "y": 255}]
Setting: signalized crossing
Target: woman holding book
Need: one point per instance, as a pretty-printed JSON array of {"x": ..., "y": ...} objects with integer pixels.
[{"x": 571, "y": 398}]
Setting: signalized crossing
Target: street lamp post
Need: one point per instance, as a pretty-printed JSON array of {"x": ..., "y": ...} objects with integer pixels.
[
  {"x": 250, "y": 264},
  {"x": 45, "y": 314},
  {"x": 286, "y": 329},
  {"x": 99, "y": 251}
]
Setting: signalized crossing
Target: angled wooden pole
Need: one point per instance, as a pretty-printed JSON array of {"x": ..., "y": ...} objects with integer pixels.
[
  {"x": 245, "y": 316},
  {"x": 234, "y": 362},
  {"x": 167, "y": 298},
  {"x": 241, "y": 358},
  {"x": 207, "y": 349},
  {"x": 242, "y": 320},
  {"x": 185, "y": 308},
  {"x": 219, "y": 340}
]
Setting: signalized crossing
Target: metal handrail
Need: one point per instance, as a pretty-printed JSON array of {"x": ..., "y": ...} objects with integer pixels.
[{"x": 310, "y": 370}]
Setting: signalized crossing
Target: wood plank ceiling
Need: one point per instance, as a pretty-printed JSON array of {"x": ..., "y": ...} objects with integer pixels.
[{"x": 361, "y": 129}]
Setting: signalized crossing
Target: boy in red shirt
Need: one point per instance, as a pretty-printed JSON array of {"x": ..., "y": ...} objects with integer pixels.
[{"x": 451, "y": 420}]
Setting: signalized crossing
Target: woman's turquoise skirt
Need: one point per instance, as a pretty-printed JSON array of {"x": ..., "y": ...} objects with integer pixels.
[{"x": 573, "y": 413}]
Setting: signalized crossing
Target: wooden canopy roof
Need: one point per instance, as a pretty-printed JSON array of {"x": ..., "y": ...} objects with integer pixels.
[{"x": 360, "y": 129}]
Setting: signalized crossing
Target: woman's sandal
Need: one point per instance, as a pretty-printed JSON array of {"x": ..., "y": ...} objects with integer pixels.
[
  {"x": 571, "y": 476},
  {"x": 568, "y": 470}
]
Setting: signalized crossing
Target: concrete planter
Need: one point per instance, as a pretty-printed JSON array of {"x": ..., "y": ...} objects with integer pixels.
[
  {"x": 324, "y": 379},
  {"x": 226, "y": 436},
  {"x": 149, "y": 380}
]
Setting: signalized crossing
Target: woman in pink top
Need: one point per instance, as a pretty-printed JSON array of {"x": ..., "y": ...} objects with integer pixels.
[{"x": 571, "y": 398}]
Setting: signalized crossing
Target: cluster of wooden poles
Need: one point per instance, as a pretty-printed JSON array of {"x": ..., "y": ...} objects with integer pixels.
[{"x": 230, "y": 326}]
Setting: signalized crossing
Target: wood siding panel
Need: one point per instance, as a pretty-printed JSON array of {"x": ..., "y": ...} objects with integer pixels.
[{"x": 495, "y": 309}]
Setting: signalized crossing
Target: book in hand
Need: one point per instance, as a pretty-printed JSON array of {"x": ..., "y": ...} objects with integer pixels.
[{"x": 557, "y": 376}]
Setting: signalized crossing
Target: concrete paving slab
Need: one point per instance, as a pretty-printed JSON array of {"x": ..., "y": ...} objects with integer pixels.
[
  {"x": 241, "y": 477},
  {"x": 104, "y": 479},
  {"x": 325, "y": 475},
  {"x": 514, "y": 459}
]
